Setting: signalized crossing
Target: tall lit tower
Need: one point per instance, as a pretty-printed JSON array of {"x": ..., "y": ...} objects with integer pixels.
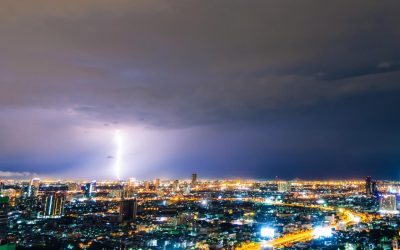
[
  {"x": 194, "y": 179},
  {"x": 368, "y": 186},
  {"x": 53, "y": 205},
  {"x": 3, "y": 218},
  {"x": 157, "y": 183},
  {"x": 388, "y": 204},
  {"x": 34, "y": 187},
  {"x": 175, "y": 185}
]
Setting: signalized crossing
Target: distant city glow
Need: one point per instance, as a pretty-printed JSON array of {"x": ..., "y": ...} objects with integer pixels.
[{"x": 267, "y": 232}]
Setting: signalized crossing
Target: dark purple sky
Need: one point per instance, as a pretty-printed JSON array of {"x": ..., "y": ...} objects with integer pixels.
[{"x": 257, "y": 89}]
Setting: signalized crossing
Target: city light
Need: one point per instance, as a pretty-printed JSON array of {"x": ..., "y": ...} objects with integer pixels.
[
  {"x": 269, "y": 200},
  {"x": 325, "y": 232},
  {"x": 267, "y": 232},
  {"x": 248, "y": 125}
]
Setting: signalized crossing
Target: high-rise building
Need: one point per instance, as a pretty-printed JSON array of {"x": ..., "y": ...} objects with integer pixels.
[
  {"x": 284, "y": 186},
  {"x": 3, "y": 218},
  {"x": 86, "y": 190},
  {"x": 368, "y": 183},
  {"x": 194, "y": 179},
  {"x": 53, "y": 205},
  {"x": 74, "y": 187},
  {"x": 157, "y": 183},
  {"x": 147, "y": 185},
  {"x": 175, "y": 185},
  {"x": 93, "y": 187},
  {"x": 388, "y": 204},
  {"x": 131, "y": 182},
  {"x": 129, "y": 188},
  {"x": 127, "y": 210},
  {"x": 34, "y": 187},
  {"x": 186, "y": 189},
  {"x": 370, "y": 186}
]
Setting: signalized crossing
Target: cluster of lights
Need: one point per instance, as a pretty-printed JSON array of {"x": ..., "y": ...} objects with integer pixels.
[
  {"x": 325, "y": 232},
  {"x": 267, "y": 232}
]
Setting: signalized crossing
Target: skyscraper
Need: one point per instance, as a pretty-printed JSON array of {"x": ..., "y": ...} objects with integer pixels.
[
  {"x": 93, "y": 187},
  {"x": 175, "y": 185},
  {"x": 284, "y": 186},
  {"x": 368, "y": 183},
  {"x": 194, "y": 179},
  {"x": 129, "y": 188},
  {"x": 370, "y": 186},
  {"x": 131, "y": 182},
  {"x": 34, "y": 187},
  {"x": 86, "y": 190},
  {"x": 3, "y": 218},
  {"x": 388, "y": 204},
  {"x": 127, "y": 210},
  {"x": 157, "y": 183},
  {"x": 53, "y": 205},
  {"x": 147, "y": 185}
]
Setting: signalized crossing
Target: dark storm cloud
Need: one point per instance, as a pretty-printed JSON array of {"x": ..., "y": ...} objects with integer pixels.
[{"x": 252, "y": 66}]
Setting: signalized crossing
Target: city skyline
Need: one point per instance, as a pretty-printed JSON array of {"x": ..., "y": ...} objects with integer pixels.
[
  {"x": 199, "y": 125},
  {"x": 225, "y": 89}
]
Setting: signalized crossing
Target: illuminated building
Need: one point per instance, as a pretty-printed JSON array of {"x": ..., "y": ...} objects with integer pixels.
[
  {"x": 73, "y": 187},
  {"x": 131, "y": 182},
  {"x": 175, "y": 185},
  {"x": 194, "y": 179},
  {"x": 86, "y": 190},
  {"x": 147, "y": 185},
  {"x": 370, "y": 186},
  {"x": 3, "y": 218},
  {"x": 129, "y": 188},
  {"x": 53, "y": 205},
  {"x": 284, "y": 186},
  {"x": 186, "y": 189},
  {"x": 93, "y": 187},
  {"x": 388, "y": 204},
  {"x": 89, "y": 189},
  {"x": 157, "y": 183},
  {"x": 34, "y": 187},
  {"x": 127, "y": 210},
  {"x": 53, "y": 188}
]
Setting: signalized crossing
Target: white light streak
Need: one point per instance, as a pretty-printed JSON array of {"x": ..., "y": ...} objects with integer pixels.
[{"x": 118, "y": 154}]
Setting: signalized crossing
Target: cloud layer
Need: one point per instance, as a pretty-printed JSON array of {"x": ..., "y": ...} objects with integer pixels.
[{"x": 205, "y": 81}]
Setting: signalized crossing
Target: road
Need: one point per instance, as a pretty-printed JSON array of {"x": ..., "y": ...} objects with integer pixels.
[{"x": 348, "y": 217}]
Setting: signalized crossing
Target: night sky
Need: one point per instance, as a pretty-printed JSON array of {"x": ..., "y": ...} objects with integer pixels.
[{"x": 252, "y": 89}]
